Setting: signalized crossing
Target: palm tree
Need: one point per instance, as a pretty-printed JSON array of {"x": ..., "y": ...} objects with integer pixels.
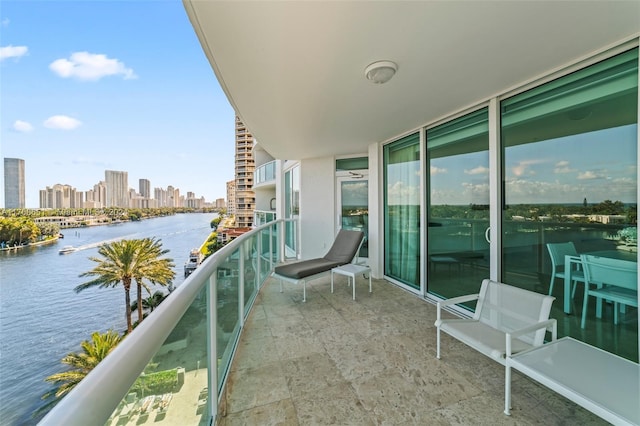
[
  {"x": 93, "y": 351},
  {"x": 151, "y": 302},
  {"x": 153, "y": 268},
  {"x": 118, "y": 264}
]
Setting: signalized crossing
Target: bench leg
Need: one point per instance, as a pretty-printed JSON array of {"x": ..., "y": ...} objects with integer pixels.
[
  {"x": 507, "y": 388},
  {"x": 304, "y": 291},
  {"x": 438, "y": 342}
]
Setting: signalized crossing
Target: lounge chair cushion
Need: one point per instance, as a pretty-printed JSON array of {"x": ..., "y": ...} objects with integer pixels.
[
  {"x": 346, "y": 248},
  {"x": 306, "y": 268}
]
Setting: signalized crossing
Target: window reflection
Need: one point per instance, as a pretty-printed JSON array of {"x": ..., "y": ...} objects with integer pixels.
[{"x": 569, "y": 175}]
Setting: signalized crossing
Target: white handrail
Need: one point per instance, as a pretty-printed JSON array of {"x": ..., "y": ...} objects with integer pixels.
[{"x": 95, "y": 398}]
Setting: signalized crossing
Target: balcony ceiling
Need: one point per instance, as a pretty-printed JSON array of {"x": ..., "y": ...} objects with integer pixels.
[{"x": 294, "y": 71}]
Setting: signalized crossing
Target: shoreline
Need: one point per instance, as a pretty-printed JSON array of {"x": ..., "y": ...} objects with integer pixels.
[{"x": 37, "y": 243}]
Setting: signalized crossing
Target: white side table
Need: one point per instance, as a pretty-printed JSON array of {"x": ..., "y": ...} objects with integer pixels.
[{"x": 351, "y": 270}]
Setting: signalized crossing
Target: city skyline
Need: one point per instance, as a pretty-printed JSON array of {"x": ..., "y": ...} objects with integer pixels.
[
  {"x": 183, "y": 191},
  {"x": 105, "y": 85}
]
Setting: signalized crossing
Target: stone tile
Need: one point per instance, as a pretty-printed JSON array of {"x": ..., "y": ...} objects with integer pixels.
[
  {"x": 480, "y": 410},
  {"x": 392, "y": 399},
  {"x": 252, "y": 387},
  {"x": 295, "y": 346},
  {"x": 355, "y": 361},
  {"x": 335, "y": 405},
  {"x": 279, "y": 413},
  {"x": 254, "y": 351},
  {"x": 310, "y": 373},
  {"x": 332, "y": 339}
]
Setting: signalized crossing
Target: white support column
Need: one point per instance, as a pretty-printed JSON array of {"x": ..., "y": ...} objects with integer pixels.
[{"x": 495, "y": 190}]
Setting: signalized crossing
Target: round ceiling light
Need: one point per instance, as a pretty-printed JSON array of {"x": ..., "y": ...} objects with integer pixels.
[{"x": 381, "y": 71}]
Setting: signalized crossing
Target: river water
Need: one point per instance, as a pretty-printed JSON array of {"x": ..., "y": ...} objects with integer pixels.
[{"x": 42, "y": 319}]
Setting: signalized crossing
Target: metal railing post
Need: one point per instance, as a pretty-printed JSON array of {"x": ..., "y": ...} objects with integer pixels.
[
  {"x": 241, "y": 254},
  {"x": 212, "y": 315}
]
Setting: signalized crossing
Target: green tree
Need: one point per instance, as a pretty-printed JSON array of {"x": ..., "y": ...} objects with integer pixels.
[
  {"x": 93, "y": 351},
  {"x": 117, "y": 265},
  {"x": 151, "y": 302},
  {"x": 152, "y": 267}
]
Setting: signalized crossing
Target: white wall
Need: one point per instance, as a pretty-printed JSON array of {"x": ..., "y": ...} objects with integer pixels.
[
  {"x": 317, "y": 206},
  {"x": 376, "y": 218}
]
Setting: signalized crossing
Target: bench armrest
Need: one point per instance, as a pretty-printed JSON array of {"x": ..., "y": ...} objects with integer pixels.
[
  {"x": 459, "y": 299},
  {"x": 455, "y": 301},
  {"x": 550, "y": 325}
]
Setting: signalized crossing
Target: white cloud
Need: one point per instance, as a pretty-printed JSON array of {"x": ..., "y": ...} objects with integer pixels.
[
  {"x": 403, "y": 193},
  {"x": 22, "y": 126},
  {"x": 523, "y": 168},
  {"x": 437, "y": 170},
  {"x": 62, "y": 122},
  {"x": 563, "y": 167},
  {"x": 12, "y": 52},
  {"x": 480, "y": 170},
  {"x": 90, "y": 66},
  {"x": 589, "y": 175}
]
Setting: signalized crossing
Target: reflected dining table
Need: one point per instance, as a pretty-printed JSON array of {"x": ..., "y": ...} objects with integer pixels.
[{"x": 570, "y": 261}]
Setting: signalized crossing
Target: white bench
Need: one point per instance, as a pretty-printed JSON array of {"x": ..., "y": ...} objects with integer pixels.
[
  {"x": 507, "y": 320},
  {"x": 603, "y": 383}
]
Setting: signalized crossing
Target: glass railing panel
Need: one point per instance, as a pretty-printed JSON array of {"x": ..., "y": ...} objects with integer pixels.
[
  {"x": 174, "y": 380},
  {"x": 268, "y": 250},
  {"x": 250, "y": 265},
  {"x": 227, "y": 311},
  {"x": 265, "y": 173},
  {"x": 291, "y": 239}
]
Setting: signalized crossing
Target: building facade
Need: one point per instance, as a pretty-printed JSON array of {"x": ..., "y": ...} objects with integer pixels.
[
  {"x": 117, "y": 193},
  {"x": 231, "y": 197},
  {"x": 14, "y": 183},
  {"x": 244, "y": 169}
]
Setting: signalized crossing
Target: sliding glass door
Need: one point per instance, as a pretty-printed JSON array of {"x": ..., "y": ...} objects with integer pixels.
[
  {"x": 458, "y": 205},
  {"x": 402, "y": 210},
  {"x": 569, "y": 151}
]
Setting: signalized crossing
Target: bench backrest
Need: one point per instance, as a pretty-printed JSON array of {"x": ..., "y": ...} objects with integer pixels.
[{"x": 507, "y": 308}]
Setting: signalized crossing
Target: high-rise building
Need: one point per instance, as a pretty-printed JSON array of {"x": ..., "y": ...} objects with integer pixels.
[
  {"x": 14, "y": 187},
  {"x": 144, "y": 187},
  {"x": 61, "y": 197},
  {"x": 117, "y": 188},
  {"x": 231, "y": 197},
  {"x": 245, "y": 166}
]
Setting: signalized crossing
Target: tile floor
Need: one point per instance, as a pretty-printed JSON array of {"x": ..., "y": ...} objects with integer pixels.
[{"x": 372, "y": 361}]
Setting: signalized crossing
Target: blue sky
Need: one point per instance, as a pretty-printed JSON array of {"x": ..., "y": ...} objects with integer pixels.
[{"x": 88, "y": 86}]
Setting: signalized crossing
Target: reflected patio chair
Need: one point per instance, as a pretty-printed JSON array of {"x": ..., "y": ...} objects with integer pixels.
[
  {"x": 557, "y": 252},
  {"x": 614, "y": 280}
]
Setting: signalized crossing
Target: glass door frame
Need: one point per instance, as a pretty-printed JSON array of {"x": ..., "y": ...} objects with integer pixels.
[{"x": 342, "y": 176}]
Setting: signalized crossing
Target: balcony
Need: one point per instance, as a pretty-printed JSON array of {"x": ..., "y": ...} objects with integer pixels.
[
  {"x": 265, "y": 175},
  {"x": 279, "y": 360},
  {"x": 332, "y": 360},
  {"x": 260, "y": 217}
]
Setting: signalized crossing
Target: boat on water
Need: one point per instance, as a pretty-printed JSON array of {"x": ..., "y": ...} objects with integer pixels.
[
  {"x": 195, "y": 259},
  {"x": 66, "y": 249}
]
